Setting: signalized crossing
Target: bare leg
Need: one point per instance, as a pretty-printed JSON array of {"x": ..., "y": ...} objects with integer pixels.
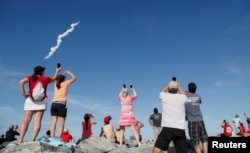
[
  {"x": 205, "y": 147},
  {"x": 37, "y": 125},
  {"x": 122, "y": 129},
  {"x": 53, "y": 126},
  {"x": 197, "y": 149},
  {"x": 156, "y": 150},
  {"x": 61, "y": 125},
  {"x": 25, "y": 124},
  {"x": 136, "y": 135}
]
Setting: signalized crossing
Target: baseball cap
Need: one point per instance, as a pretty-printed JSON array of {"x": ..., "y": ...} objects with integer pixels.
[
  {"x": 38, "y": 69},
  {"x": 107, "y": 119},
  {"x": 173, "y": 85}
]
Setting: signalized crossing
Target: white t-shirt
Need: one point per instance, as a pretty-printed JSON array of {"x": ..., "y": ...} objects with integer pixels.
[{"x": 173, "y": 110}]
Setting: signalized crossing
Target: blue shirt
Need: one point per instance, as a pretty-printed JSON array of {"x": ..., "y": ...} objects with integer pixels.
[{"x": 193, "y": 111}]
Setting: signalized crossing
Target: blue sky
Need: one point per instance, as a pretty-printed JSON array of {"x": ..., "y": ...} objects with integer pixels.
[{"x": 143, "y": 43}]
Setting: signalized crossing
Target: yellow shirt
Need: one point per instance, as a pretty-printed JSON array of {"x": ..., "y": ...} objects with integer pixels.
[{"x": 61, "y": 94}]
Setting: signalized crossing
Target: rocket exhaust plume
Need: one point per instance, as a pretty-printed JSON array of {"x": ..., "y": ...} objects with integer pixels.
[{"x": 59, "y": 39}]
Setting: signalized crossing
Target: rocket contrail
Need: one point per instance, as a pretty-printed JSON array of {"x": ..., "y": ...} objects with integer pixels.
[{"x": 59, "y": 39}]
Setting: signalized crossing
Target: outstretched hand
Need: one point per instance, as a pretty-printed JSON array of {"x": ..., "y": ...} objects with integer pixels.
[{"x": 66, "y": 72}]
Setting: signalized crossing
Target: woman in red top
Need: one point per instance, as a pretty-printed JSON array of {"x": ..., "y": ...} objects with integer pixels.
[
  {"x": 32, "y": 107},
  {"x": 87, "y": 125}
]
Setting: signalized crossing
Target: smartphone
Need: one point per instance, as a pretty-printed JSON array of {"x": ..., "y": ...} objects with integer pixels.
[
  {"x": 58, "y": 65},
  {"x": 124, "y": 85},
  {"x": 173, "y": 78},
  {"x": 131, "y": 86}
]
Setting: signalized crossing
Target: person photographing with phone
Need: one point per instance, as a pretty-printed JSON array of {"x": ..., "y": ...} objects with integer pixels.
[
  {"x": 31, "y": 106},
  {"x": 127, "y": 117},
  {"x": 173, "y": 100},
  {"x": 58, "y": 108}
]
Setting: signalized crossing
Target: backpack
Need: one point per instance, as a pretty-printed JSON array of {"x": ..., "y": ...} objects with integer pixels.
[{"x": 38, "y": 93}]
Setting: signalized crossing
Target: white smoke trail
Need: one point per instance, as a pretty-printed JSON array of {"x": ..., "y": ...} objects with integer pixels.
[{"x": 59, "y": 39}]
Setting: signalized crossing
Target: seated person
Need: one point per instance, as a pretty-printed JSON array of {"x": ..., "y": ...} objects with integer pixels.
[
  {"x": 2, "y": 139},
  {"x": 10, "y": 134},
  {"x": 138, "y": 127},
  {"x": 242, "y": 129},
  {"x": 247, "y": 134},
  {"x": 107, "y": 130},
  {"x": 45, "y": 137},
  {"x": 47, "y": 134},
  {"x": 227, "y": 129},
  {"x": 117, "y": 135},
  {"x": 66, "y": 137}
]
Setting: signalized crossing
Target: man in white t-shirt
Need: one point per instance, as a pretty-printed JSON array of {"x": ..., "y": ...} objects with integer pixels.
[{"x": 173, "y": 119}]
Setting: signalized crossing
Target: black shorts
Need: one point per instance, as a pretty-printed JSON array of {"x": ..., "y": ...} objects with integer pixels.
[
  {"x": 172, "y": 134},
  {"x": 58, "y": 109}
]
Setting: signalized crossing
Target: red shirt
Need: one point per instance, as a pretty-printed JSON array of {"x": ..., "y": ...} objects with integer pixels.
[
  {"x": 228, "y": 130},
  {"x": 44, "y": 80},
  {"x": 66, "y": 137},
  {"x": 86, "y": 131}
]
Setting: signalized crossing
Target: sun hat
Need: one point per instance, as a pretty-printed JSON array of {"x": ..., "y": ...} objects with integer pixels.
[{"x": 107, "y": 119}]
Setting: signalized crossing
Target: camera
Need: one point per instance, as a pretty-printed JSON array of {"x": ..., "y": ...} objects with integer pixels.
[
  {"x": 173, "y": 78},
  {"x": 58, "y": 65}
]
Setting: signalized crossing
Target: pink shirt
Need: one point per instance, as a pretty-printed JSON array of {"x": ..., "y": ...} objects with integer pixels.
[{"x": 242, "y": 129}]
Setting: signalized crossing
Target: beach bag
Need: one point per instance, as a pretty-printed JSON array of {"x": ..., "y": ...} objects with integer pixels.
[{"x": 38, "y": 93}]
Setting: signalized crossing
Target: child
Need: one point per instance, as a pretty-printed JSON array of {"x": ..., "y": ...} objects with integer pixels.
[{"x": 66, "y": 137}]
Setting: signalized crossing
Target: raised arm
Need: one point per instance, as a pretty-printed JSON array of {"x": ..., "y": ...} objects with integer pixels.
[
  {"x": 92, "y": 118},
  {"x": 123, "y": 87},
  {"x": 165, "y": 88},
  {"x": 181, "y": 90},
  {"x": 58, "y": 69},
  {"x": 134, "y": 92},
  {"x": 73, "y": 77}
]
